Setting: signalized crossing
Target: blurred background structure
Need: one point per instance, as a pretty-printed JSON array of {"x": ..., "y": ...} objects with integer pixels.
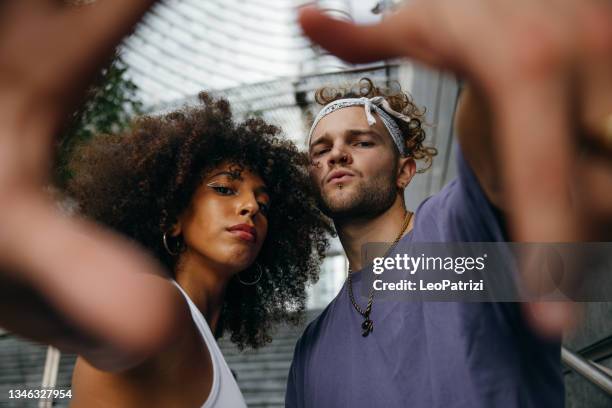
[{"x": 253, "y": 53}]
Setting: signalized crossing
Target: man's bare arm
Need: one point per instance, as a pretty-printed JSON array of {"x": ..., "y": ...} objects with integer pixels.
[
  {"x": 473, "y": 125},
  {"x": 545, "y": 76}
]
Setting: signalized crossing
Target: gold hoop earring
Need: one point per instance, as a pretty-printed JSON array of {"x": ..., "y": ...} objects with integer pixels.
[
  {"x": 178, "y": 246},
  {"x": 260, "y": 270}
]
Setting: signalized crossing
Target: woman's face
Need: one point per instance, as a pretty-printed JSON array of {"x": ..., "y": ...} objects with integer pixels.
[{"x": 226, "y": 222}]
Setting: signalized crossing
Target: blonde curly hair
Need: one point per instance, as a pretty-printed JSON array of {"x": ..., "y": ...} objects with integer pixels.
[{"x": 400, "y": 101}]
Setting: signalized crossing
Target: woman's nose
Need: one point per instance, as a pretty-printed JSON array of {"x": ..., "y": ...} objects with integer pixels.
[{"x": 249, "y": 206}]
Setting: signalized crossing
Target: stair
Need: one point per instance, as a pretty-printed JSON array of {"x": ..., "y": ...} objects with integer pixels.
[{"x": 262, "y": 374}]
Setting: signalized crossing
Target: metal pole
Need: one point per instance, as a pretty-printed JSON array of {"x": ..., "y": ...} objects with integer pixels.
[
  {"x": 49, "y": 380},
  {"x": 586, "y": 369}
]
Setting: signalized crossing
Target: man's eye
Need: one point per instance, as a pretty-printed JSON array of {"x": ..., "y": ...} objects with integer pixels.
[
  {"x": 320, "y": 152},
  {"x": 364, "y": 144},
  {"x": 223, "y": 190}
]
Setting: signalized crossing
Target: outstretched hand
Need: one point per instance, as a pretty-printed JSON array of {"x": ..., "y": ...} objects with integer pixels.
[
  {"x": 98, "y": 284},
  {"x": 545, "y": 70}
]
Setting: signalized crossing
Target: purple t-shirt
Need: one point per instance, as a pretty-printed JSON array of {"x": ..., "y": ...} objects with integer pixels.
[{"x": 428, "y": 354}]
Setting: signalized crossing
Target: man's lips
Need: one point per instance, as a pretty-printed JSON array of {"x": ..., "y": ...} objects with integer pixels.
[
  {"x": 339, "y": 176},
  {"x": 340, "y": 180},
  {"x": 245, "y": 232}
]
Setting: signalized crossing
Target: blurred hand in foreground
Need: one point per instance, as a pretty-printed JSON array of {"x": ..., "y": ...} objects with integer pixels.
[
  {"x": 84, "y": 285},
  {"x": 544, "y": 69}
]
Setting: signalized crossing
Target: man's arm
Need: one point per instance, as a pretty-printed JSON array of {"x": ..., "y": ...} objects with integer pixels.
[
  {"x": 545, "y": 75},
  {"x": 473, "y": 125}
]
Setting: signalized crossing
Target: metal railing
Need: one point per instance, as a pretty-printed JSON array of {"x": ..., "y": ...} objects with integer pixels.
[{"x": 591, "y": 371}]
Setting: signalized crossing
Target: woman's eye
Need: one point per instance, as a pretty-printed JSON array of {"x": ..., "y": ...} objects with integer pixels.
[
  {"x": 223, "y": 190},
  {"x": 364, "y": 144},
  {"x": 264, "y": 208},
  {"x": 320, "y": 152}
]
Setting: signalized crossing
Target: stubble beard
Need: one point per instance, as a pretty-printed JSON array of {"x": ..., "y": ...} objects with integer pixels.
[{"x": 364, "y": 198}]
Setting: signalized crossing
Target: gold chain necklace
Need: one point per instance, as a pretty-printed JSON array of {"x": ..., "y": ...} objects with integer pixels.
[{"x": 368, "y": 325}]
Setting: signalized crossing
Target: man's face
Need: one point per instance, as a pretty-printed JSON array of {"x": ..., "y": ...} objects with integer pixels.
[{"x": 354, "y": 165}]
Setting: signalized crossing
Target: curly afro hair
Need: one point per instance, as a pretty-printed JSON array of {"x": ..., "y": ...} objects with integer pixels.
[
  {"x": 140, "y": 182},
  {"x": 414, "y": 134}
]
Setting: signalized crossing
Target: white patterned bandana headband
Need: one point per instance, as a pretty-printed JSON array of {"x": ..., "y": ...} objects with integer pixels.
[{"x": 377, "y": 104}]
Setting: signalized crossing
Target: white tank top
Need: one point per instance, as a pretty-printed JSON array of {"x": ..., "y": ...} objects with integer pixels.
[{"x": 224, "y": 392}]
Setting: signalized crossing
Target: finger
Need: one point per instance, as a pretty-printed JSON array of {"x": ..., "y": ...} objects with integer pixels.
[
  {"x": 401, "y": 35},
  {"x": 66, "y": 47},
  {"x": 532, "y": 127},
  {"x": 595, "y": 70},
  {"x": 594, "y": 194},
  {"x": 100, "y": 282},
  {"x": 535, "y": 127},
  {"x": 551, "y": 319},
  {"x": 86, "y": 36},
  {"x": 105, "y": 22},
  {"x": 536, "y": 170}
]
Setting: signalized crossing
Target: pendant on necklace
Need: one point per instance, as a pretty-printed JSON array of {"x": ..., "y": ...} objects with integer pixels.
[{"x": 367, "y": 326}]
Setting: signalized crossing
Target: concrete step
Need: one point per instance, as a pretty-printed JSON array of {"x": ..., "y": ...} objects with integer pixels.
[
  {"x": 265, "y": 399},
  {"x": 250, "y": 375},
  {"x": 277, "y": 342},
  {"x": 258, "y": 386},
  {"x": 255, "y": 358},
  {"x": 260, "y": 367},
  {"x": 272, "y": 348}
]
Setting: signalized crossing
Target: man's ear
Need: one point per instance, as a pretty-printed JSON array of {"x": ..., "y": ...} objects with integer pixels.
[{"x": 405, "y": 171}]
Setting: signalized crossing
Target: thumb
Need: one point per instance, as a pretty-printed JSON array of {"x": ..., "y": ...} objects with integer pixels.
[{"x": 364, "y": 43}]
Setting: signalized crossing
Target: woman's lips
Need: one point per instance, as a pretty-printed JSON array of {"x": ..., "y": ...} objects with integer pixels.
[
  {"x": 244, "y": 232},
  {"x": 244, "y": 235}
]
